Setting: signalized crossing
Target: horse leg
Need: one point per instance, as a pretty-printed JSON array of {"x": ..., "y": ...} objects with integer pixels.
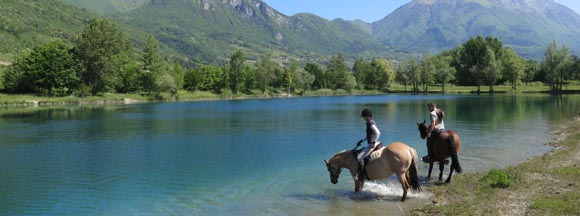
[
  {"x": 450, "y": 174},
  {"x": 404, "y": 184},
  {"x": 358, "y": 185},
  {"x": 430, "y": 169},
  {"x": 441, "y": 167}
]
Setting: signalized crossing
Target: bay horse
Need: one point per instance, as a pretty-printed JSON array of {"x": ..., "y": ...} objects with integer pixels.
[
  {"x": 396, "y": 158},
  {"x": 446, "y": 144}
]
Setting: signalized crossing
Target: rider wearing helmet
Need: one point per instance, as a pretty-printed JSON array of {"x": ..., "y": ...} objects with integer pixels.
[{"x": 372, "y": 138}]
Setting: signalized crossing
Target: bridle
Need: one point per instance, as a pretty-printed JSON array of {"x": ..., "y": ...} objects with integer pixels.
[
  {"x": 337, "y": 173},
  {"x": 331, "y": 169}
]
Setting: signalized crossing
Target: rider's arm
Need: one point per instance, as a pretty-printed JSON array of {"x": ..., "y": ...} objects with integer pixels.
[
  {"x": 432, "y": 126},
  {"x": 376, "y": 132}
]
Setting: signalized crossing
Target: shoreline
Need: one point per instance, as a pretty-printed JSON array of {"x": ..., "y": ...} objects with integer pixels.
[
  {"x": 12, "y": 101},
  {"x": 546, "y": 184}
]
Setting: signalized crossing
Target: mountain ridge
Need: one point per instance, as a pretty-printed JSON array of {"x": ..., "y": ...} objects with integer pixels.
[{"x": 211, "y": 30}]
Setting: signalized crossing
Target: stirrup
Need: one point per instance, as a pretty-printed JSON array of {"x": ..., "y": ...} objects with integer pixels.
[{"x": 427, "y": 159}]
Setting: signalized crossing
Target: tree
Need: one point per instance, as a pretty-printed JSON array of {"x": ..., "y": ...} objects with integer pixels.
[
  {"x": 303, "y": 81},
  {"x": 531, "y": 71},
  {"x": 265, "y": 72},
  {"x": 319, "y": 76},
  {"x": 513, "y": 67},
  {"x": 178, "y": 74},
  {"x": 97, "y": 45},
  {"x": 414, "y": 74},
  {"x": 490, "y": 68},
  {"x": 471, "y": 58},
  {"x": 338, "y": 72},
  {"x": 427, "y": 71},
  {"x": 361, "y": 70},
  {"x": 557, "y": 65},
  {"x": 236, "y": 71},
  {"x": 47, "y": 69},
  {"x": 402, "y": 75},
  {"x": 153, "y": 65},
  {"x": 444, "y": 72},
  {"x": 129, "y": 74},
  {"x": 383, "y": 70},
  {"x": 289, "y": 75}
]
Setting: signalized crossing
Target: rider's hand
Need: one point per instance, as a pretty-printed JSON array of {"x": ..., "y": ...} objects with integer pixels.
[{"x": 359, "y": 142}]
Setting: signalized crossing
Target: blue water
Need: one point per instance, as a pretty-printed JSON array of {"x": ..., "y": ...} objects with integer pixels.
[{"x": 244, "y": 157}]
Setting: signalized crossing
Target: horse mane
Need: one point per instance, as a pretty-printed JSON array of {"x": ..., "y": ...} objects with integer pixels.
[{"x": 340, "y": 154}]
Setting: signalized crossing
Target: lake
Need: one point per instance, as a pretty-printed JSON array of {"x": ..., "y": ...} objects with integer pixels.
[{"x": 246, "y": 157}]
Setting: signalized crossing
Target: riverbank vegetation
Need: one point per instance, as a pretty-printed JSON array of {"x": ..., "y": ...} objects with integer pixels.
[
  {"x": 104, "y": 65},
  {"x": 543, "y": 185}
]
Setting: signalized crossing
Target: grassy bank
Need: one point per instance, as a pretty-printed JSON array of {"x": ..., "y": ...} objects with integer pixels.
[
  {"x": 543, "y": 185},
  {"x": 33, "y": 100}
]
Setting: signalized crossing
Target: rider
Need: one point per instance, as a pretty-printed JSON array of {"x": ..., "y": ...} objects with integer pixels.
[
  {"x": 372, "y": 138},
  {"x": 436, "y": 127}
]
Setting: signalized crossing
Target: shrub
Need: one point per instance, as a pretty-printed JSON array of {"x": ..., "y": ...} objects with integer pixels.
[{"x": 497, "y": 179}]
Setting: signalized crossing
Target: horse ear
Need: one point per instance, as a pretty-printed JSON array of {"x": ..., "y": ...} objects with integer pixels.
[
  {"x": 424, "y": 121},
  {"x": 326, "y": 162},
  {"x": 418, "y": 124}
]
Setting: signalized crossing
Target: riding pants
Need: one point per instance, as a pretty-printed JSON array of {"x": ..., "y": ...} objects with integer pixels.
[{"x": 365, "y": 152}]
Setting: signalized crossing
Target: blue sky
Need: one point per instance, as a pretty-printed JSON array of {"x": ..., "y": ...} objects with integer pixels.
[{"x": 365, "y": 10}]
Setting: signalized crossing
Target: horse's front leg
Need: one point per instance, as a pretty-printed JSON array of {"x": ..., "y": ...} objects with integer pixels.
[
  {"x": 441, "y": 167},
  {"x": 430, "y": 170},
  {"x": 358, "y": 185}
]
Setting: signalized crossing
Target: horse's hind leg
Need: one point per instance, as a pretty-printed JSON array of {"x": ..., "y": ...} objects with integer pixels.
[
  {"x": 441, "y": 167},
  {"x": 450, "y": 174},
  {"x": 404, "y": 184}
]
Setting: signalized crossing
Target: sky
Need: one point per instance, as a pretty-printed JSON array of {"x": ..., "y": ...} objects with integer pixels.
[{"x": 365, "y": 10}]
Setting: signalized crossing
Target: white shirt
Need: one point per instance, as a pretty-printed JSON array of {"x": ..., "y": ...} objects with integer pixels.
[{"x": 439, "y": 124}]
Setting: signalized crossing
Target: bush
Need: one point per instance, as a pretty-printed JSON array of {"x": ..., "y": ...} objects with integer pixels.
[{"x": 497, "y": 179}]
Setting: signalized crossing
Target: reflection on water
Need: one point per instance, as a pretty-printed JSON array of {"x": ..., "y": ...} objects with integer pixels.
[{"x": 250, "y": 157}]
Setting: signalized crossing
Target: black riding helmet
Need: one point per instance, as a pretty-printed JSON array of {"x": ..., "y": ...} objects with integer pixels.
[{"x": 366, "y": 112}]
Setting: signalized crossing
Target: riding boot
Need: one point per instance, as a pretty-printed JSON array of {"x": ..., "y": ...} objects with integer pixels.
[
  {"x": 430, "y": 157},
  {"x": 360, "y": 174}
]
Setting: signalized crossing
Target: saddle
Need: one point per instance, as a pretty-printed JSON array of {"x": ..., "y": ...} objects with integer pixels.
[{"x": 367, "y": 158}]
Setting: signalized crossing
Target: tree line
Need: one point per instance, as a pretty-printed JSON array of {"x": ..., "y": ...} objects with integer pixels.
[{"x": 103, "y": 60}]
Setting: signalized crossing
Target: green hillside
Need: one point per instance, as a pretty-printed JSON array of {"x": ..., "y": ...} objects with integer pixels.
[
  {"x": 435, "y": 26},
  {"x": 212, "y": 30},
  {"x": 27, "y": 23},
  {"x": 108, "y": 6}
]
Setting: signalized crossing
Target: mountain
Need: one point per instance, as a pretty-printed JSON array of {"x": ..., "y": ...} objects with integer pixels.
[
  {"x": 437, "y": 25},
  {"x": 25, "y": 24},
  {"x": 211, "y": 30},
  {"x": 104, "y": 7}
]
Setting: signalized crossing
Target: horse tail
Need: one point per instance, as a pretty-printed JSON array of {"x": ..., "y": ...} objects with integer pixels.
[
  {"x": 454, "y": 157},
  {"x": 414, "y": 171}
]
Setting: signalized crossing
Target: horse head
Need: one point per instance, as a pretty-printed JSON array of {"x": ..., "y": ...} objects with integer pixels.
[
  {"x": 423, "y": 129},
  {"x": 334, "y": 171}
]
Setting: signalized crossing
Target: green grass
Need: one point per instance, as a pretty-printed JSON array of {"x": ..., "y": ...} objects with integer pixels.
[
  {"x": 497, "y": 179},
  {"x": 560, "y": 204}
]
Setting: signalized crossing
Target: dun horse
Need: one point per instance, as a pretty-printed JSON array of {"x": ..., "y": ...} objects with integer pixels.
[
  {"x": 396, "y": 158},
  {"x": 446, "y": 145}
]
